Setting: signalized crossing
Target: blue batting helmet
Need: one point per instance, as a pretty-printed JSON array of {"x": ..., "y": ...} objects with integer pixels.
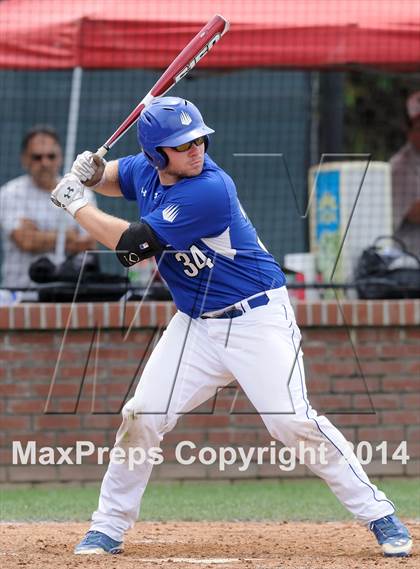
[{"x": 169, "y": 121}]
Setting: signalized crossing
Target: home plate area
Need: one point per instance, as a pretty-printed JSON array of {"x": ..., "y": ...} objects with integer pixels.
[{"x": 176, "y": 545}]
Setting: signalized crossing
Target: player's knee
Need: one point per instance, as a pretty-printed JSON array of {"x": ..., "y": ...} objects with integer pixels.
[
  {"x": 289, "y": 428},
  {"x": 142, "y": 418}
]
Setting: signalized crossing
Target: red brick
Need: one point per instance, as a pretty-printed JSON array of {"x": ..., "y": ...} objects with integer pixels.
[
  {"x": 318, "y": 384},
  {"x": 314, "y": 350},
  {"x": 394, "y": 312},
  {"x": 413, "y": 368},
  {"x": 400, "y": 417},
  {"x": 9, "y": 422},
  {"x": 13, "y": 355},
  {"x": 31, "y": 338},
  {"x": 19, "y": 317},
  {"x": 410, "y": 401},
  {"x": 316, "y": 314},
  {"x": 413, "y": 450},
  {"x": 366, "y": 352},
  {"x": 72, "y": 372},
  {"x": 347, "y": 312},
  {"x": 362, "y": 313},
  {"x": 377, "y": 313},
  {"x": 4, "y": 318},
  {"x": 355, "y": 385},
  {"x": 34, "y": 373},
  {"x": 300, "y": 312},
  {"x": 363, "y": 403},
  {"x": 409, "y": 312},
  {"x": 247, "y": 420},
  {"x": 101, "y": 421},
  {"x": 64, "y": 422},
  {"x": 413, "y": 468},
  {"x": 78, "y": 337},
  {"x": 43, "y": 438},
  {"x": 382, "y": 367},
  {"x": 161, "y": 319},
  {"x": 391, "y": 468},
  {"x": 344, "y": 351},
  {"x": 32, "y": 473},
  {"x": 413, "y": 432},
  {"x": 248, "y": 436},
  {"x": 51, "y": 317},
  {"x": 25, "y": 407},
  {"x": 400, "y": 383},
  {"x": 209, "y": 421},
  {"x": 15, "y": 389},
  {"x": 59, "y": 389},
  {"x": 35, "y": 316},
  {"x": 82, "y": 471},
  {"x": 377, "y": 334},
  {"x": 333, "y": 335},
  {"x": 6, "y": 456},
  {"x": 412, "y": 333},
  {"x": 387, "y": 401},
  {"x": 334, "y": 402},
  {"x": 357, "y": 419},
  {"x": 379, "y": 434},
  {"x": 398, "y": 350},
  {"x": 53, "y": 355},
  {"x": 337, "y": 368}
]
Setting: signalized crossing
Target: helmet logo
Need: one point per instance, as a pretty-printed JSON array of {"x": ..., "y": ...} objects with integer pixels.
[{"x": 185, "y": 118}]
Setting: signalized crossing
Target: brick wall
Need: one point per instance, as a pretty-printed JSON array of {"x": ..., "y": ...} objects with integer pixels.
[{"x": 362, "y": 366}]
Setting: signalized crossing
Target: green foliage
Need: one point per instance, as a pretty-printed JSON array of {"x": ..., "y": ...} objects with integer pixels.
[{"x": 374, "y": 119}]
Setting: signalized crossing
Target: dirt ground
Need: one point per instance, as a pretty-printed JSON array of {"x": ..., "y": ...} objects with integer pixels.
[{"x": 251, "y": 545}]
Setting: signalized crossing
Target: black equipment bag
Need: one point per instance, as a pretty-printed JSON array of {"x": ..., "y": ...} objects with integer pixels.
[{"x": 387, "y": 273}]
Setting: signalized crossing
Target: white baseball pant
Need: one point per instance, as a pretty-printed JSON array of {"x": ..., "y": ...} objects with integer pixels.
[{"x": 261, "y": 350}]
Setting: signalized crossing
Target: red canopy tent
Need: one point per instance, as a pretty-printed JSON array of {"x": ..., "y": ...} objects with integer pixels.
[{"x": 62, "y": 34}]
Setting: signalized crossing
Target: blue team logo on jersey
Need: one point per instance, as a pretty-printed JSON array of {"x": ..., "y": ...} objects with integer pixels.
[{"x": 170, "y": 213}]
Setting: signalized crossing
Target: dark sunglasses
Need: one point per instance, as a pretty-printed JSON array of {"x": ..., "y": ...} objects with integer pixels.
[
  {"x": 38, "y": 157},
  {"x": 187, "y": 145}
]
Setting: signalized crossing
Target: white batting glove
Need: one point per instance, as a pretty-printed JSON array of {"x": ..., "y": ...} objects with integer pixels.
[
  {"x": 69, "y": 194},
  {"x": 84, "y": 167}
]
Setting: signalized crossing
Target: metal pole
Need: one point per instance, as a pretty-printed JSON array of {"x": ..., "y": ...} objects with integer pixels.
[{"x": 69, "y": 151}]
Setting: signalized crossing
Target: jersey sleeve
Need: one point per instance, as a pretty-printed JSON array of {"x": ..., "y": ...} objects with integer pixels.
[
  {"x": 197, "y": 208},
  {"x": 131, "y": 169}
]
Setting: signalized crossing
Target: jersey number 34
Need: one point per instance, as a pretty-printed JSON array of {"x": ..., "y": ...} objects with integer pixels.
[{"x": 194, "y": 262}]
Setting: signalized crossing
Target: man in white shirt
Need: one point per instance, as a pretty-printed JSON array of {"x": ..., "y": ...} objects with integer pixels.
[
  {"x": 29, "y": 225},
  {"x": 405, "y": 166}
]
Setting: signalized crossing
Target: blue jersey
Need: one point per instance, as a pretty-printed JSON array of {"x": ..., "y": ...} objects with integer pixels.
[{"x": 213, "y": 257}]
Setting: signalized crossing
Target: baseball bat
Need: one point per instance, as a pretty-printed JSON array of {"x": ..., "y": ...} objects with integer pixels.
[{"x": 186, "y": 60}]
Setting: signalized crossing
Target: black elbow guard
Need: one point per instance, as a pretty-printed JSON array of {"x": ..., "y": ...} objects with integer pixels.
[{"x": 138, "y": 242}]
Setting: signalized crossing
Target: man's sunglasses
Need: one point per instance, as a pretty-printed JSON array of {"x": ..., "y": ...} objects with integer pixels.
[
  {"x": 38, "y": 157},
  {"x": 187, "y": 145}
]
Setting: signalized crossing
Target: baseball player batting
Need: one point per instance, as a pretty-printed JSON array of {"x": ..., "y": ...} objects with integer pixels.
[{"x": 234, "y": 319}]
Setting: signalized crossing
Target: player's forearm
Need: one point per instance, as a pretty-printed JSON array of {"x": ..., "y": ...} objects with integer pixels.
[{"x": 101, "y": 226}]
